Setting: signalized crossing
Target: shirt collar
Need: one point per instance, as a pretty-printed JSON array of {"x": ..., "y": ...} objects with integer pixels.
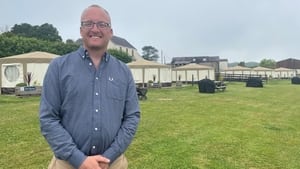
[{"x": 84, "y": 54}]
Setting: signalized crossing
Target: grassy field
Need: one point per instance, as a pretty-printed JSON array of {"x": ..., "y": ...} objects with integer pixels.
[{"x": 241, "y": 128}]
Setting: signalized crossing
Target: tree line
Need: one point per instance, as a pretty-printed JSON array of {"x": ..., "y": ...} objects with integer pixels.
[
  {"x": 26, "y": 38},
  {"x": 267, "y": 63}
]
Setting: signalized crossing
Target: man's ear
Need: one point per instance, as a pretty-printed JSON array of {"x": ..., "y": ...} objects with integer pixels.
[{"x": 111, "y": 33}]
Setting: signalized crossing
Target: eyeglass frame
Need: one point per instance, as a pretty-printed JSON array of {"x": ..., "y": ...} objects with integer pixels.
[{"x": 99, "y": 25}]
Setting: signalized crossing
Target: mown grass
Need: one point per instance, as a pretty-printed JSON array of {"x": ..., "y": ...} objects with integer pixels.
[
  {"x": 241, "y": 128},
  {"x": 21, "y": 144}
]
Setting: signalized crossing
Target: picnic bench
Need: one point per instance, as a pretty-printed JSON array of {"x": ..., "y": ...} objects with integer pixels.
[
  {"x": 220, "y": 85},
  {"x": 141, "y": 92}
]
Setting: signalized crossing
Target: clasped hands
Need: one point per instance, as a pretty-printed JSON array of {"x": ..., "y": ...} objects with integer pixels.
[{"x": 95, "y": 162}]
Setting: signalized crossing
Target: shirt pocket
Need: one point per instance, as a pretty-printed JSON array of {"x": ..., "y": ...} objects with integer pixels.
[{"x": 116, "y": 90}]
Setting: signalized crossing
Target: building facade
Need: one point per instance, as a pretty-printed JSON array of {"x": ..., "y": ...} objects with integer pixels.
[
  {"x": 218, "y": 64},
  {"x": 124, "y": 46},
  {"x": 290, "y": 63}
]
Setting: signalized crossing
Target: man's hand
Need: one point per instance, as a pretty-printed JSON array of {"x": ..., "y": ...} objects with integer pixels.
[
  {"x": 95, "y": 162},
  {"x": 104, "y": 165}
]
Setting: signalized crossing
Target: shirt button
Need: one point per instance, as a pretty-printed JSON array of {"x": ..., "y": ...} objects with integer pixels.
[
  {"x": 94, "y": 147},
  {"x": 96, "y": 128},
  {"x": 97, "y": 78},
  {"x": 96, "y": 110},
  {"x": 90, "y": 64},
  {"x": 97, "y": 93}
]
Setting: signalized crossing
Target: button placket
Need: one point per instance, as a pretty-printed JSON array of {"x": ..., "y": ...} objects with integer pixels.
[{"x": 97, "y": 118}]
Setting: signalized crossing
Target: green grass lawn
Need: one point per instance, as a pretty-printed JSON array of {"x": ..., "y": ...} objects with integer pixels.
[{"x": 241, "y": 128}]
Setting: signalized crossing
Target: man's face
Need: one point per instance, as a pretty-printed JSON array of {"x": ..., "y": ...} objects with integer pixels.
[{"x": 95, "y": 29}]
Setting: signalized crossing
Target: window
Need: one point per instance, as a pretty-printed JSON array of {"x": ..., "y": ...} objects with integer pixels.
[{"x": 11, "y": 73}]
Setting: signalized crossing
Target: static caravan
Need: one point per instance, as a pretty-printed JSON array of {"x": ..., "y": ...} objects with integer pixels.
[{"x": 14, "y": 69}]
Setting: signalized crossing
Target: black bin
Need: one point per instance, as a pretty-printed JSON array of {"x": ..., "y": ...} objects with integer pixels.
[
  {"x": 254, "y": 82},
  {"x": 296, "y": 80},
  {"x": 206, "y": 86}
]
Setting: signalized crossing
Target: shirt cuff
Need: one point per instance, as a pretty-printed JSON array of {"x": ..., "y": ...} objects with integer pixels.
[
  {"x": 111, "y": 155},
  {"x": 77, "y": 158}
]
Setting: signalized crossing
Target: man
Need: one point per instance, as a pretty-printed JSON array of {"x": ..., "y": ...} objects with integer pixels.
[{"x": 89, "y": 109}]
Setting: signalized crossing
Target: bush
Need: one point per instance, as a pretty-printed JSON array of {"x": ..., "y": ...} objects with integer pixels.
[{"x": 21, "y": 84}]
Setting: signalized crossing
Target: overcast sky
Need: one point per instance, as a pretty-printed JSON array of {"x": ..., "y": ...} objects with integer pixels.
[{"x": 237, "y": 30}]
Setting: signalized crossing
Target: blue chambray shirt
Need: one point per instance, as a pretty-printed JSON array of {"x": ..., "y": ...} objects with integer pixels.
[{"x": 85, "y": 111}]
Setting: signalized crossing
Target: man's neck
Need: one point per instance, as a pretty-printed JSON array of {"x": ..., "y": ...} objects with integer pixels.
[{"x": 96, "y": 56}]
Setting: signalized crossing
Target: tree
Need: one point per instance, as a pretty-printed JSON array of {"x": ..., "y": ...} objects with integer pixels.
[
  {"x": 48, "y": 32},
  {"x": 69, "y": 41},
  {"x": 150, "y": 53},
  {"x": 242, "y": 64},
  {"x": 79, "y": 41},
  {"x": 24, "y": 29},
  {"x": 124, "y": 57},
  {"x": 44, "y": 32},
  {"x": 268, "y": 63},
  {"x": 11, "y": 44}
]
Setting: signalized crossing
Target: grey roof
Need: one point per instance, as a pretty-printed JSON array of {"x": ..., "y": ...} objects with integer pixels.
[
  {"x": 121, "y": 42},
  {"x": 195, "y": 59},
  {"x": 289, "y": 59},
  {"x": 289, "y": 63}
]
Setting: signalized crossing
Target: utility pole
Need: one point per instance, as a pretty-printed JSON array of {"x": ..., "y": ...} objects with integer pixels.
[{"x": 161, "y": 56}]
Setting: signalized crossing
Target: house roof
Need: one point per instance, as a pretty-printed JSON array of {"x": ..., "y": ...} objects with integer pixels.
[
  {"x": 193, "y": 66},
  {"x": 282, "y": 69},
  {"x": 32, "y": 57},
  {"x": 259, "y": 68},
  {"x": 238, "y": 68},
  {"x": 121, "y": 42},
  {"x": 289, "y": 63},
  {"x": 142, "y": 63},
  {"x": 289, "y": 59}
]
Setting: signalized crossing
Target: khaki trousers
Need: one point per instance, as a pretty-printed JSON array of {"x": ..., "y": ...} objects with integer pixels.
[{"x": 119, "y": 163}]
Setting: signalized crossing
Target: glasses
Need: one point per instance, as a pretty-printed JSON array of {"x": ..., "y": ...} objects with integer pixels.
[{"x": 90, "y": 24}]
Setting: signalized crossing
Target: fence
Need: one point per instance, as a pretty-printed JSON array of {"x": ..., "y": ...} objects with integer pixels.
[{"x": 242, "y": 77}]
